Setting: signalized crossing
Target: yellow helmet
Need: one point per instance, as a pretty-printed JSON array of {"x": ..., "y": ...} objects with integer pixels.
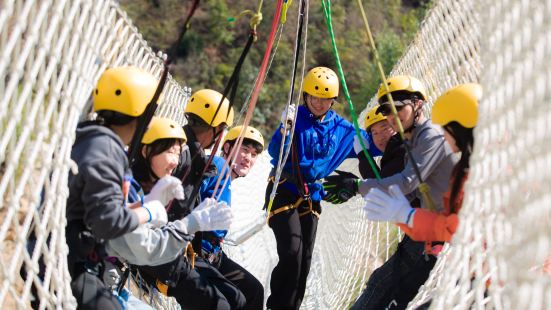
[
  {"x": 204, "y": 104},
  {"x": 126, "y": 90},
  {"x": 321, "y": 82},
  {"x": 163, "y": 128},
  {"x": 251, "y": 133},
  {"x": 373, "y": 117},
  {"x": 405, "y": 83},
  {"x": 459, "y": 104}
]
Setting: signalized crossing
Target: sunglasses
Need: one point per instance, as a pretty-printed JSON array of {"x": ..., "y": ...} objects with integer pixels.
[{"x": 386, "y": 110}]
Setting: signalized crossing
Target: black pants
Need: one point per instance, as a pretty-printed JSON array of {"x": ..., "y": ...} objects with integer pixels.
[
  {"x": 397, "y": 281},
  {"x": 91, "y": 293},
  {"x": 202, "y": 287},
  {"x": 242, "y": 281},
  {"x": 295, "y": 237}
]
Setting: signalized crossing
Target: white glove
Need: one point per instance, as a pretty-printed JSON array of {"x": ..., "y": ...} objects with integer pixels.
[
  {"x": 380, "y": 206},
  {"x": 157, "y": 212},
  {"x": 165, "y": 190},
  {"x": 358, "y": 146},
  {"x": 212, "y": 215},
  {"x": 288, "y": 118}
]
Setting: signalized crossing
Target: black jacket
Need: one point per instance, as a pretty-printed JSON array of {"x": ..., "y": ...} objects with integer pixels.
[
  {"x": 190, "y": 170},
  {"x": 96, "y": 196},
  {"x": 393, "y": 160}
]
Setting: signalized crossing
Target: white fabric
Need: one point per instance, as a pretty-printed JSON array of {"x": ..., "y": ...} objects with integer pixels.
[
  {"x": 391, "y": 207},
  {"x": 288, "y": 118},
  {"x": 166, "y": 189},
  {"x": 212, "y": 215},
  {"x": 157, "y": 212}
]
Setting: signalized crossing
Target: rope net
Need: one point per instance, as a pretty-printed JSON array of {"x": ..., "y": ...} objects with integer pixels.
[
  {"x": 51, "y": 55},
  {"x": 53, "y": 52}
]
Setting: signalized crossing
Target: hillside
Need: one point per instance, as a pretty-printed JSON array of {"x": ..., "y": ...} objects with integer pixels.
[{"x": 213, "y": 44}]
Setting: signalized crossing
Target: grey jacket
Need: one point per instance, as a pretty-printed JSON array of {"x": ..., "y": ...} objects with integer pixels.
[
  {"x": 96, "y": 193},
  {"x": 151, "y": 246},
  {"x": 435, "y": 160}
]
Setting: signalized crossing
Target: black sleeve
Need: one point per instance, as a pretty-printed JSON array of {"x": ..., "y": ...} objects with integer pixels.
[
  {"x": 393, "y": 160},
  {"x": 365, "y": 168},
  {"x": 103, "y": 199}
]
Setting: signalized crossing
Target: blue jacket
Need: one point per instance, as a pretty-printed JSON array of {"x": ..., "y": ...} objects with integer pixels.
[
  {"x": 206, "y": 191},
  {"x": 321, "y": 147}
]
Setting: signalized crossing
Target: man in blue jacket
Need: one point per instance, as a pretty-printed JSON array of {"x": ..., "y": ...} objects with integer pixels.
[{"x": 322, "y": 141}]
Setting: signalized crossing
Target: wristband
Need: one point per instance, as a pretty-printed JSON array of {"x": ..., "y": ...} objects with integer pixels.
[{"x": 150, "y": 217}]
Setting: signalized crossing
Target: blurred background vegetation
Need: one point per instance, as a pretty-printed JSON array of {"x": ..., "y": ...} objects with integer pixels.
[{"x": 212, "y": 45}]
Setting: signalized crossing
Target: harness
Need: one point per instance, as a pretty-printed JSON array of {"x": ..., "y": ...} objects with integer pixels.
[{"x": 295, "y": 178}]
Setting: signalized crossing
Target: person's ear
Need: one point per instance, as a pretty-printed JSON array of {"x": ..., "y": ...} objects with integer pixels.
[
  {"x": 144, "y": 151},
  {"x": 226, "y": 148}
]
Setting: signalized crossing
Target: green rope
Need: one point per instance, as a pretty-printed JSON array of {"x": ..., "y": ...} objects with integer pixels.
[{"x": 326, "y": 4}]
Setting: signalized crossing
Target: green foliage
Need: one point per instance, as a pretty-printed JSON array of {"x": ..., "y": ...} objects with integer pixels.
[{"x": 212, "y": 46}]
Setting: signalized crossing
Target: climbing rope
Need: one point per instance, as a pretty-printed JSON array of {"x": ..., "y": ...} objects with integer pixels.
[
  {"x": 256, "y": 89},
  {"x": 245, "y": 106},
  {"x": 303, "y": 16},
  {"x": 187, "y": 23},
  {"x": 423, "y": 187},
  {"x": 231, "y": 89},
  {"x": 326, "y": 5},
  {"x": 145, "y": 118}
]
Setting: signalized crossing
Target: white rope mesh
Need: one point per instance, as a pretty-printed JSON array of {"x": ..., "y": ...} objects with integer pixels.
[
  {"x": 52, "y": 53},
  {"x": 503, "y": 239}
]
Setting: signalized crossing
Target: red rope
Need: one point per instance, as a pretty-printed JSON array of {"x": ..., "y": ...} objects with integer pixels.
[{"x": 257, "y": 87}]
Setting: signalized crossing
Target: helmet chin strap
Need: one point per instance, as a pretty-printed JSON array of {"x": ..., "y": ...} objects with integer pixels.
[
  {"x": 415, "y": 118},
  {"x": 237, "y": 175}
]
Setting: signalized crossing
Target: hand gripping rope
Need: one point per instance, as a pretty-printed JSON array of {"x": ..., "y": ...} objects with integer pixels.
[{"x": 423, "y": 187}]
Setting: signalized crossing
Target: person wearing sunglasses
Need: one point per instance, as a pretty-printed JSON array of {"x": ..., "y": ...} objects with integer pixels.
[
  {"x": 435, "y": 161},
  {"x": 457, "y": 112}
]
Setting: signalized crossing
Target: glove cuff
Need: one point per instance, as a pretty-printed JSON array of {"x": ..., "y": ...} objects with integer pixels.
[
  {"x": 357, "y": 185},
  {"x": 191, "y": 223},
  {"x": 148, "y": 211}
]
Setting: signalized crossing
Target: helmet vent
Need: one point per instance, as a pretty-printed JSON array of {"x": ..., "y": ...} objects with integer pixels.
[
  {"x": 171, "y": 126},
  {"x": 118, "y": 92},
  {"x": 317, "y": 87},
  {"x": 319, "y": 76},
  {"x": 96, "y": 91},
  {"x": 326, "y": 89},
  {"x": 192, "y": 99},
  {"x": 207, "y": 105}
]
